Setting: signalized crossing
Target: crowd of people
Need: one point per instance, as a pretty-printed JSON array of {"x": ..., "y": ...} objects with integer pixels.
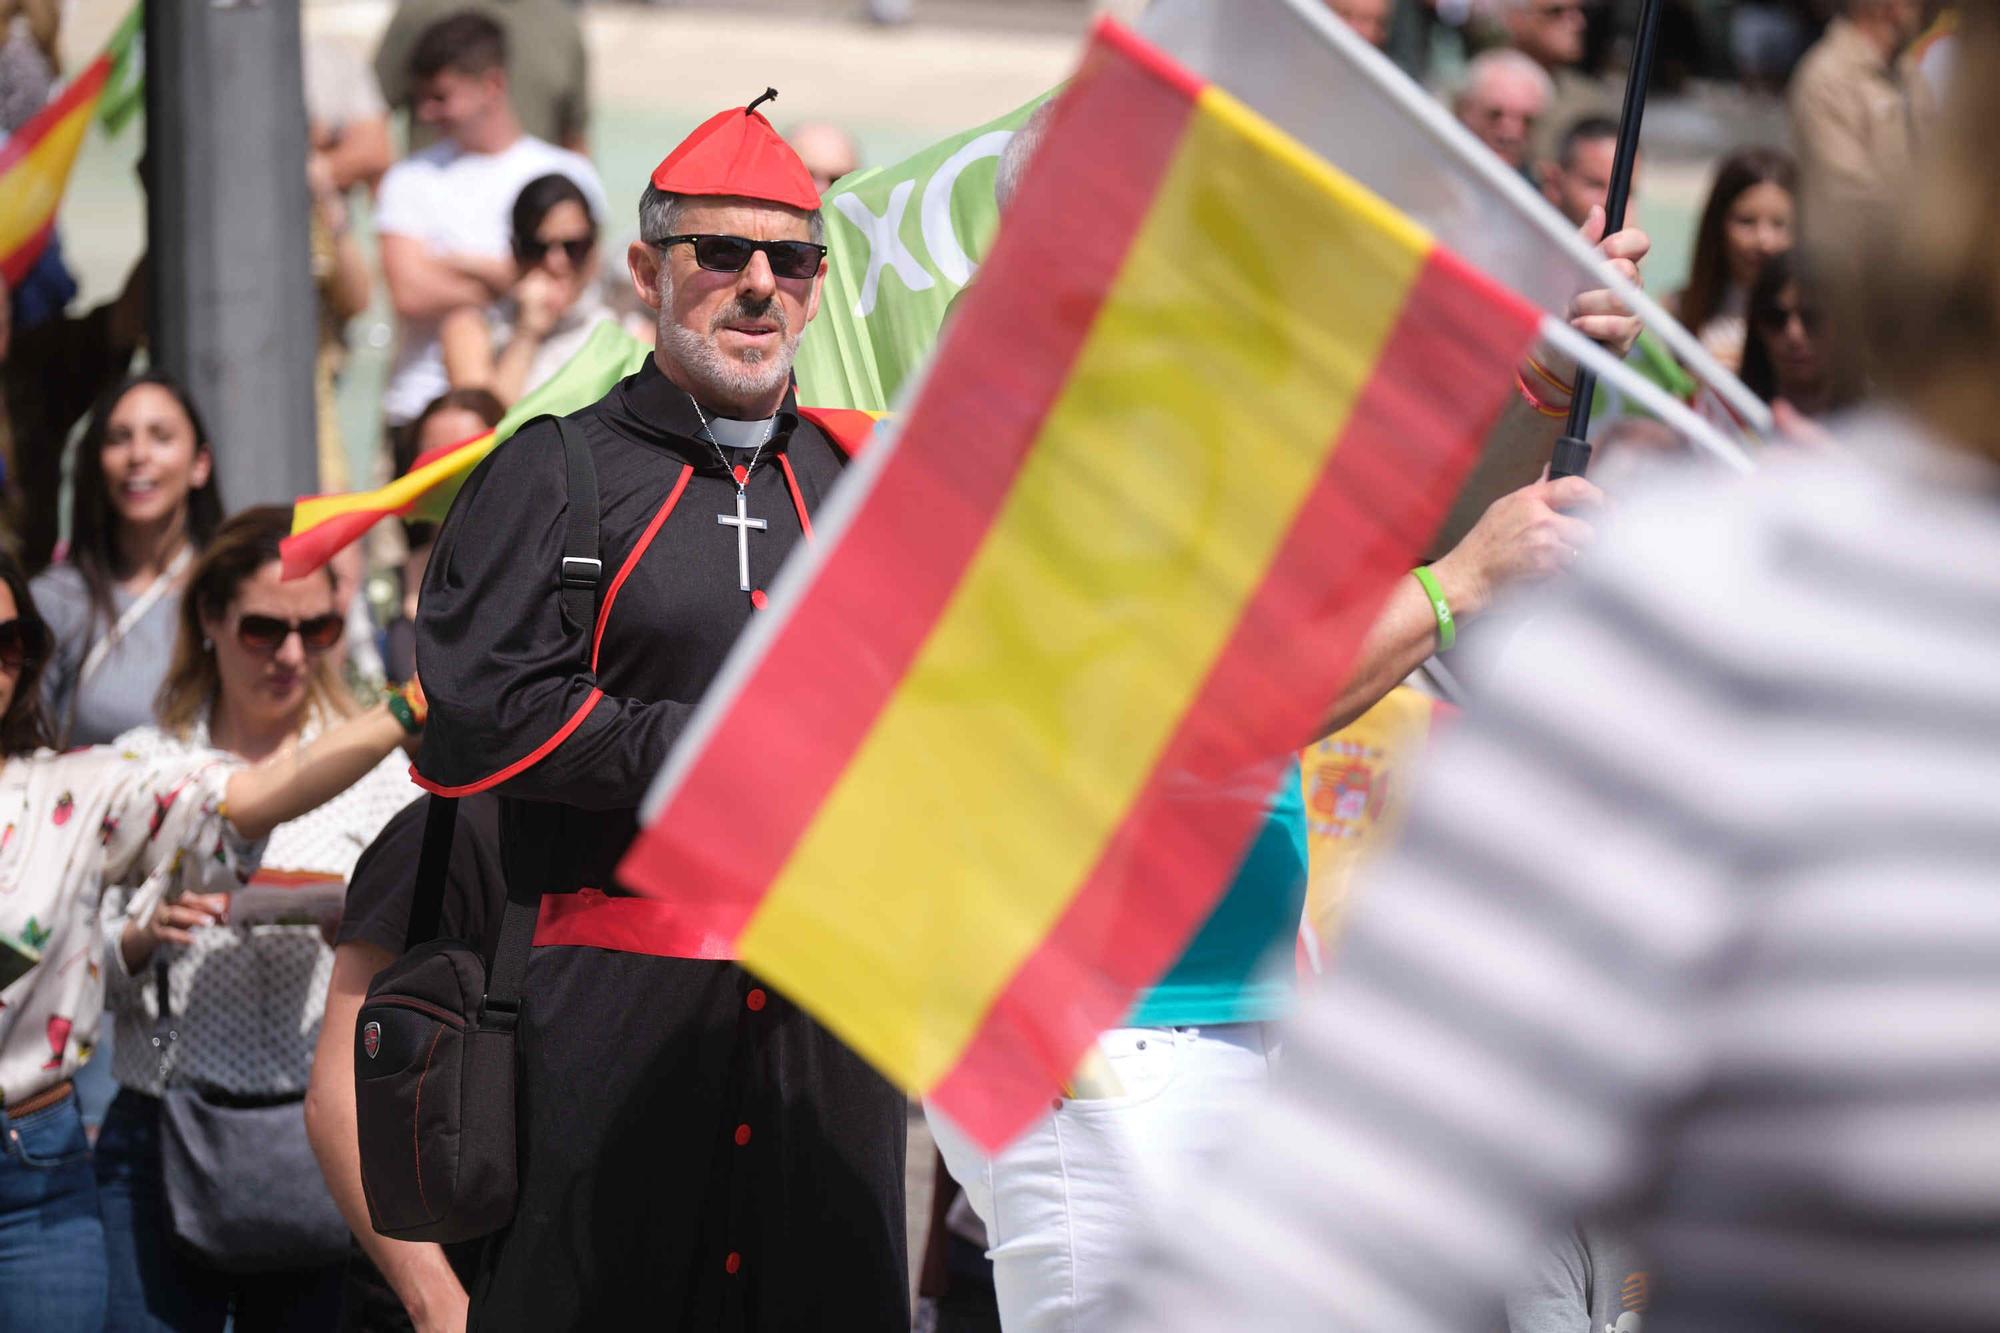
[{"x": 209, "y": 837}]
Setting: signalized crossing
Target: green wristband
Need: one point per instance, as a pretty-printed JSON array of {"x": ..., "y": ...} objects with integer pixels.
[
  {"x": 1447, "y": 627},
  {"x": 399, "y": 708}
]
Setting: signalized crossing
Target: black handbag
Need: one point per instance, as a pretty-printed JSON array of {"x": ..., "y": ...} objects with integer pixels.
[
  {"x": 434, "y": 1054},
  {"x": 243, "y": 1189}
]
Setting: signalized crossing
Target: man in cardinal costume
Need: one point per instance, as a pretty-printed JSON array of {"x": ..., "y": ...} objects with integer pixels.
[{"x": 696, "y": 1153}]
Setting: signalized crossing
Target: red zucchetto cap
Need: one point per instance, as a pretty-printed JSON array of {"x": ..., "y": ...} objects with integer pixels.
[{"x": 736, "y": 152}]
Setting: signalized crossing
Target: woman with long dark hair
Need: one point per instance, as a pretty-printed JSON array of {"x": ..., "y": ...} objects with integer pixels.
[
  {"x": 523, "y": 339},
  {"x": 71, "y": 824},
  {"x": 144, "y": 503},
  {"x": 1751, "y": 215},
  {"x": 1790, "y": 356}
]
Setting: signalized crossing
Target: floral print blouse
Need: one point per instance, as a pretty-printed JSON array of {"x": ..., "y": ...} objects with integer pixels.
[
  {"x": 69, "y": 825},
  {"x": 247, "y": 998}
]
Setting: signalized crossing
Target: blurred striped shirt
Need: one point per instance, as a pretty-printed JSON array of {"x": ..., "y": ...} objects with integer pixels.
[{"x": 1697, "y": 920}]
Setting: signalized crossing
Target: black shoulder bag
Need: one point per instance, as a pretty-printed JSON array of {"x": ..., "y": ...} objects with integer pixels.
[
  {"x": 434, "y": 1041},
  {"x": 242, "y": 1189}
]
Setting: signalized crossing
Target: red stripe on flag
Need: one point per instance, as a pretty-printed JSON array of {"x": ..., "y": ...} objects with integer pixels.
[
  {"x": 1001, "y": 367},
  {"x": 429, "y": 456},
  {"x": 16, "y": 264},
  {"x": 303, "y": 552},
  {"x": 83, "y": 89},
  {"x": 1441, "y": 381},
  {"x": 1128, "y": 44}
]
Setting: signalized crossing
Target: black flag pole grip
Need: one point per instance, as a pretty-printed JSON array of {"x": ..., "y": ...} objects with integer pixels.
[{"x": 1572, "y": 451}]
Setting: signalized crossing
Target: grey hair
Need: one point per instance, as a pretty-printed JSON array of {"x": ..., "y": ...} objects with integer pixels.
[
  {"x": 1501, "y": 60},
  {"x": 660, "y": 215}
]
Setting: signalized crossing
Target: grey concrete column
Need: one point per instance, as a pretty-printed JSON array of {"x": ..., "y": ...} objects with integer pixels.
[{"x": 233, "y": 303}]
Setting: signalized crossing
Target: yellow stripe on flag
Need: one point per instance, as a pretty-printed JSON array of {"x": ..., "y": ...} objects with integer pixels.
[
  {"x": 1197, "y": 416},
  {"x": 405, "y": 490},
  {"x": 35, "y": 185}
]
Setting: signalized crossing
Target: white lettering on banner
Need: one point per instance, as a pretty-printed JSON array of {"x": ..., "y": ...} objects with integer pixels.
[
  {"x": 885, "y": 247},
  {"x": 939, "y": 235}
]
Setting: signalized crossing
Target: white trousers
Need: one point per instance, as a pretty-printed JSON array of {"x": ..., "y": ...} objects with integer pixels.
[{"x": 1064, "y": 1203}]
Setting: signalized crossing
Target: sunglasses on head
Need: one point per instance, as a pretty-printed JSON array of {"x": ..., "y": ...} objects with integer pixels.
[
  {"x": 529, "y": 249},
  {"x": 728, "y": 254},
  {"x": 267, "y": 634},
  {"x": 21, "y": 642}
]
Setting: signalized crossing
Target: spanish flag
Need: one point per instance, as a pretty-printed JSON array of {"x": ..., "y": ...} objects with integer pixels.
[
  {"x": 36, "y": 159},
  {"x": 1001, "y": 742},
  {"x": 323, "y": 524}
]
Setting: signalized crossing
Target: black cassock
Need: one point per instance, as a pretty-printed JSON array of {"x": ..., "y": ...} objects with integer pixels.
[{"x": 696, "y": 1153}]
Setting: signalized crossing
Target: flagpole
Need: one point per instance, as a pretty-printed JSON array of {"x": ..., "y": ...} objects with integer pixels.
[{"x": 1572, "y": 451}]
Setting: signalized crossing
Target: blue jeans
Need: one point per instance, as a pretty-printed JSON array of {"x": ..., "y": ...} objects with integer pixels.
[
  {"x": 159, "y": 1287},
  {"x": 52, "y": 1266}
]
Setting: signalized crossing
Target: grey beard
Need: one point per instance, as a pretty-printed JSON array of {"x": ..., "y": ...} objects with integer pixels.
[{"x": 726, "y": 378}]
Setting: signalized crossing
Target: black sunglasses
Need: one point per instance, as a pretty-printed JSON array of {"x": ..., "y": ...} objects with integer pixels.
[
  {"x": 529, "y": 249},
  {"x": 267, "y": 634},
  {"x": 21, "y": 642},
  {"x": 1773, "y": 319},
  {"x": 728, "y": 254}
]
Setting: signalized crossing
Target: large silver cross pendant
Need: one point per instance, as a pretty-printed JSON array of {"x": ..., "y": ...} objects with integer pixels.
[{"x": 742, "y": 522}]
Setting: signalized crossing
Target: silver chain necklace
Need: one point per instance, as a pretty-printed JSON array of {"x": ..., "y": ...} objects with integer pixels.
[{"x": 741, "y": 519}]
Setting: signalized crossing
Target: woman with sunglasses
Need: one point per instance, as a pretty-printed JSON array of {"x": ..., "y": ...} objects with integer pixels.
[
  {"x": 553, "y": 307},
  {"x": 1789, "y": 354},
  {"x": 144, "y": 504},
  {"x": 253, "y": 676},
  {"x": 71, "y": 824}
]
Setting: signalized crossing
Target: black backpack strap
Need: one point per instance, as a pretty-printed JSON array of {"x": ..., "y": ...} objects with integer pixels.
[
  {"x": 427, "y": 902},
  {"x": 582, "y": 572},
  {"x": 517, "y": 939},
  {"x": 582, "y": 576}
]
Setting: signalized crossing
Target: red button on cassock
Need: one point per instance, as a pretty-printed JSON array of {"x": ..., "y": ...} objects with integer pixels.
[
  {"x": 732, "y": 1263},
  {"x": 755, "y": 999},
  {"x": 742, "y": 1135}
]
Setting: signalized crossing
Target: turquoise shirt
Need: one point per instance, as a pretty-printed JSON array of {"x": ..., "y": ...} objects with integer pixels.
[{"x": 1238, "y": 969}]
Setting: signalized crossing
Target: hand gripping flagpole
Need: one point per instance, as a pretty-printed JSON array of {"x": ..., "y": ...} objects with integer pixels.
[{"x": 1572, "y": 451}]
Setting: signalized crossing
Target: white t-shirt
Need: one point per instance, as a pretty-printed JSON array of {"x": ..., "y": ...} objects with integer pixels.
[{"x": 457, "y": 202}]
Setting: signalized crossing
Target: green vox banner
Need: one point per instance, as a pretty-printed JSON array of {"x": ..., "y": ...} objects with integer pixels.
[{"x": 901, "y": 240}]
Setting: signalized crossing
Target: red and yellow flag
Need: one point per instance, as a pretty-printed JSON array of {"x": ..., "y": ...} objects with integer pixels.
[
  {"x": 323, "y": 524},
  {"x": 1004, "y": 737},
  {"x": 35, "y": 160}
]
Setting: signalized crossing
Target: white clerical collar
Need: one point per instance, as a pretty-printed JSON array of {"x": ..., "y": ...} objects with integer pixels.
[{"x": 731, "y": 433}]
